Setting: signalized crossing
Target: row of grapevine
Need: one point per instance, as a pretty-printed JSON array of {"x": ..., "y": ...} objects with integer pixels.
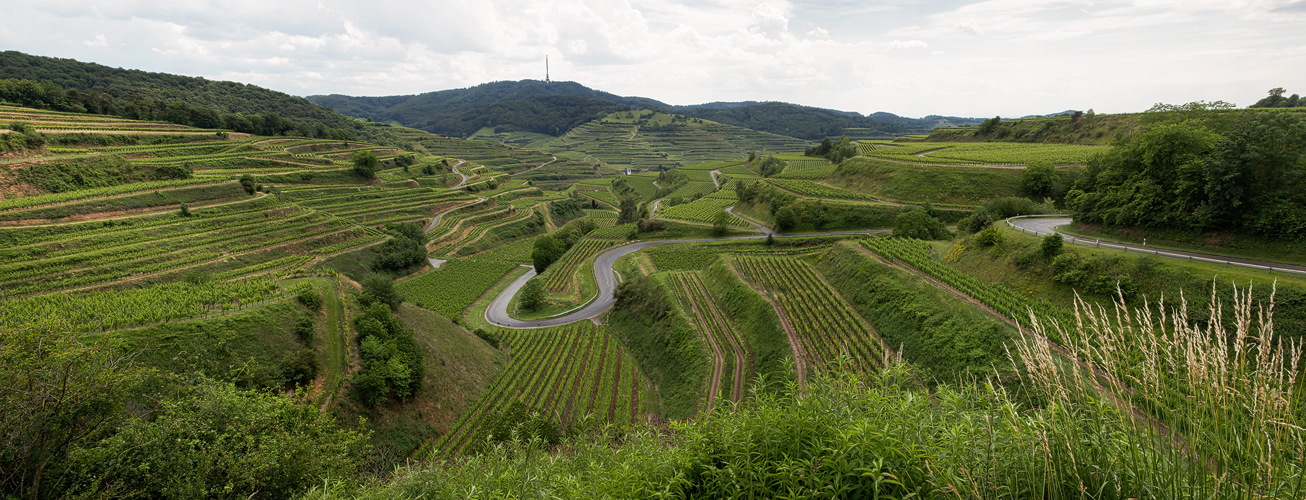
[
  {"x": 703, "y": 210},
  {"x": 29, "y": 202},
  {"x": 827, "y": 326},
  {"x": 1001, "y": 299},
  {"x": 808, "y": 173},
  {"x": 559, "y": 276},
  {"x": 809, "y": 188},
  {"x": 729, "y": 361},
  {"x": 453, "y": 286},
  {"x": 109, "y": 310},
  {"x": 564, "y": 374}
]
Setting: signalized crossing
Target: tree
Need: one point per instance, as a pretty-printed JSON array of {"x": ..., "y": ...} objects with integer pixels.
[
  {"x": 1038, "y": 179},
  {"x": 380, "y": 289},
  {"x": 365, "y": 163},
  {"x": 721, "y": 223},
  {"x": 990, "y": 125},
  {"x": 918, "y": 224},
  {"x": 532, "y": 295},
  {"x": 1051, "y": 245},
  {"x": 546, "y": 251},
  {"x": 221, "y": 441},
  {"x": 247, "y": 182},
  {"x": 785, "y": 219},
  {"x": 62, "y": 391}
]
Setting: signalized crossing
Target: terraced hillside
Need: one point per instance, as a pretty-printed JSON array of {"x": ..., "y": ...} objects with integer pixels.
[
  {"x": 565, "y": 374},
  {"x": 647, "y": 140}
]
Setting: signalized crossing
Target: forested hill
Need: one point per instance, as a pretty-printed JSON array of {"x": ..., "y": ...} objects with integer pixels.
[
  {"x": 70, "y": 85},
  {"x": 443, "y": 112},
  {"x": 555, "y": 108},
  {"x": 815, "y": 123}
]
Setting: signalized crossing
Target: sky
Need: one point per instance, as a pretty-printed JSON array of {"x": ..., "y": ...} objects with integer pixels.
[{"x": 912, "y": 58}]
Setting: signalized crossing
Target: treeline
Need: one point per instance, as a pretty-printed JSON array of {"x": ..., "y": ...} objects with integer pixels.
[
  {"x": 445, "y": 111},
  {"x": 802, "y": 122},
  {"x": 551, "y": 114},
  {"x": 794, "y": 213},
  {"x": 1277, "y": 100},
  {"x": 1200, "y": 168},
  {"x": 69, "y": 85}
]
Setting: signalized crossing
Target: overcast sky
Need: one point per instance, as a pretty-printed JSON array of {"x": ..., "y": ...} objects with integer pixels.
[{"x": 913, "y": 58}]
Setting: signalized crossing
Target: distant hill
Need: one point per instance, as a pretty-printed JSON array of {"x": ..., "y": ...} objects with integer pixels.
[
  {"x": 446, "y": 111},
  {"x": 76, "y": 86},
  {"x": 536, "y": 106},
  {"x": 810, "y": 123}
]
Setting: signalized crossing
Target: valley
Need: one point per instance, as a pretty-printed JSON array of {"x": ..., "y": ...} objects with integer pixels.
[{"x": 649, "y": 290}]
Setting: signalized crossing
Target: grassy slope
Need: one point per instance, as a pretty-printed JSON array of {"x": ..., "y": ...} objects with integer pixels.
[
  {"x": 1100, "y": 129},
  {"x": 669, "y": 351},
  {"x": 767, "y": 345},
  {"x": 1229, "y": 244},
  {"x": 948, "y": 337},
  {"x": 1017, "y": 265},
  {"x": 894, "y": 181}
]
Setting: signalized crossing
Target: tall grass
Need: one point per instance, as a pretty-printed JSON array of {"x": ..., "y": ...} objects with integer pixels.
[
  {"x": 1208, "y": 411},
  {"x": 1215, "y": 416}
]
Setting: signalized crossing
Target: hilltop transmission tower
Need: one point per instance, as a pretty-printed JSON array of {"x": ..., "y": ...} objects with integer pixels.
[{"x": 546, "y": 69}]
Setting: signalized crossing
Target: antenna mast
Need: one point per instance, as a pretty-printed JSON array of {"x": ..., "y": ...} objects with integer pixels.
[{"x": 546, "y": 69}]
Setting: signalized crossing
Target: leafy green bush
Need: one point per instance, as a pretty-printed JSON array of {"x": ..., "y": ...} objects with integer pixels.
[
  {"x": 392, "y": 360},
  {"x": 221, "y": 442}
]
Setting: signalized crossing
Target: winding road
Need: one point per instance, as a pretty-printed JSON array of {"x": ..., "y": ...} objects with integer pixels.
[
  {"x": 1043, "y": 226},
  {"x": 606, "y": 279}
]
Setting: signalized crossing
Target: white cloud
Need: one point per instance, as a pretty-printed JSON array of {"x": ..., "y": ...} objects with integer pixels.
[
  {"x": 1009, "y": 57},
  {"x": 99, "y": 41},
  {"x": 909, "y": 44}
]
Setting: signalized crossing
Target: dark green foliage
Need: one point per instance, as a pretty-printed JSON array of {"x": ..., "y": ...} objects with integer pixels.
[
  {"x": 68, "y": 85},
  {"x": 950, "y": 340},
  {"x": 185, "y": 210},
  {"x": 406, "y": 249},
  {"x": 365, "y": 164},
  {"x": 1051, "y": 246},
  {"x": 1249, "y": 175},
  {"x": 813, "y": 123},
  {"x": 978, "y": 221},
  {"x": 990, "y": 125},
  {"x": 989, "y": 236},
  {"x": 488, "y": 337},
  {"x": 22, "y": 136},
  {"x": 836, "y": 152},
  {"x": 792, "y": 212},
  {"x": 770, "y": 166},
  {"x": 392, "y": 360},
  {"x": 565, "y": 210},
  {"x": 310, "y": 299},
  {"x": 721, "y": 223},
  {"x": 1038, "y": 179},
  {"x": 546, "y": 251},
  {"x": 379, "y": 289},
  {"x": 669, "y": 350},
  {"x": 96, "y": 171},
  {"x": 1277, "y": 100},
  {"x": 221, "y": 442},
  {"x": 300, "y": 367},
  {"x": 532, "y": 295},
  {"x": 919, "y": 225},
  {"x": 1009, "y": 206},
  {"x": 61, "y": 392},
  {"x": 247, "y": 183},
  {"x": 305, "y": 329}
]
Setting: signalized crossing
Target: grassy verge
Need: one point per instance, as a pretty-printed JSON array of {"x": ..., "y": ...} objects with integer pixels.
[
  {"x": 949, "y": 338},
  {"x": 474, "y": 315},
  {"x": 669, "y": 351},
  {"x": 1226, "y": 244},
  {"x": 1093, "y": 274},
  {"x": 767, "y": 345}
]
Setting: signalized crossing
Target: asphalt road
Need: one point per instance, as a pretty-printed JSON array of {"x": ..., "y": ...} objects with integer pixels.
[
  {"x": 606, "y": 279},
  {"x": 1046, "y": 226}
]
